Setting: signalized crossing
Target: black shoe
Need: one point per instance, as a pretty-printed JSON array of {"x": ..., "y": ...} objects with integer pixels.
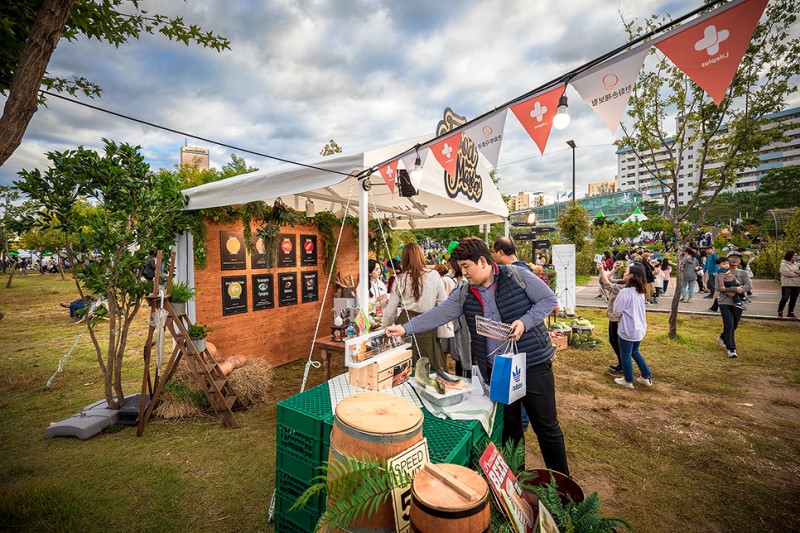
[
  {"x": 709, "y": 296},
  {"x": 65, "y": 306},
  {"x": 614, "y": 369},
  {"x": 713, "y": 309}
]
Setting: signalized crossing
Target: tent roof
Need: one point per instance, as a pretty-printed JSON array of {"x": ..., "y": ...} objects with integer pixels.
[
  {"x": 433, "y": 207},
  {"x": 636, "y": 216}
]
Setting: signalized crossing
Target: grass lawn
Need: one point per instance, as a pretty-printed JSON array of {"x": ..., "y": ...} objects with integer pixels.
[{"x": 714, "y": 445}]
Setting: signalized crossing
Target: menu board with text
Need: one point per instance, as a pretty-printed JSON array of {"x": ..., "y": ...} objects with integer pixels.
[
  {"x": 310, "y": 284},
  {"x": 308, "y": 250},
  {"x": 259, "y": 257},
  {"x": 263, "y": 292},
  {"x": 287, "y": 250},
  {"x": 287, "y": 289},
  {"x": 234, "y": 295},
  {"x": 232, "y": 251}
]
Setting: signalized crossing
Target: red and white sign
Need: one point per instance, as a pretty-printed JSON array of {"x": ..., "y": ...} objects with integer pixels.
[
  {"x": 536, "y": 114},
  {"x": 607, "y": 88},
  {"x": 710, "y": 49},
  {"x": 506, "y": 488},
  {"x": 488, "y": 135},
  {"x": 446, "y": 152},
  {"x": 389, "y": 174}
]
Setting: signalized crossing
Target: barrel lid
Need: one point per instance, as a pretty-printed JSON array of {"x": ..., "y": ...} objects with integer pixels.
[
  {"x": 378, "y": 412},
  {"x": 449, "y": 487}
]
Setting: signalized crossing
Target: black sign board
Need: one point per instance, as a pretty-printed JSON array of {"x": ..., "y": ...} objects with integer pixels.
[
  {"x": 308, "y": 250},
  {"x": 310, "y": 286},
  {"x": 540, "y": 245},
  {"x": 287, "y": 250},
  {"x": 259, "y": 257},
  {"x": 234, "y": 295},
  {"x": 263, "y": 292},
  {"x": 524, "y": 236},
  {"x": 232, "y": 251},
  {"x": 287, "y": 289}
]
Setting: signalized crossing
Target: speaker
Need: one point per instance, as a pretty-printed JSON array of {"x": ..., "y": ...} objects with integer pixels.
[{"x": 404, "y": 184}]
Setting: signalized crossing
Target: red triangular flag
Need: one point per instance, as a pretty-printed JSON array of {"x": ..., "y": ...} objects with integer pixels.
[
  {"x": 389, "y": 174},
  {"x": 446, "y": 152},
  {"x": 710, "y": 49},
  {"x": 536, "y": 114}
]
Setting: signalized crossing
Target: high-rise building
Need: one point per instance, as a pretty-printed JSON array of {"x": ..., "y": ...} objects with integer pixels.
[
  {"x": 634, "y": 176},
  {"x": 602, "y": 187},
  {"x": 194, "y": 156},
  {"x": 524, "y": 200}
]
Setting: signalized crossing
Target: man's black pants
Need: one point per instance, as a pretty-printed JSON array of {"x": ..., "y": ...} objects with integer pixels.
[{"x": 540, "y": 404}]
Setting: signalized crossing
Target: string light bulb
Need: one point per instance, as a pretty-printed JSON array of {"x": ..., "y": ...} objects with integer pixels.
[
  {"x": 310, "y": 209},
  {"x": 416, "y": 173},
  {"x": 561, "y": 120}
]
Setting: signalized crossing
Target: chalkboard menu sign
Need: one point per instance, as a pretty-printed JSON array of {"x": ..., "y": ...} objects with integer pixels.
[
  {"x": 232, "y": 251},
  {"x": 287, "y": 250},
  {"x": 310, "y": 286},
  {"x": 287, "y": 289},
  {"x": 234, "y": 295},
  {"x": 263, "y": 292},
  {"x": 308, "y": 250},
  {"x": 259, "y": 257}
]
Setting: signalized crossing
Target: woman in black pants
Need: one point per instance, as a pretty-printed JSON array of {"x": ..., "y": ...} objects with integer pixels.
[
  {"x": 790, "y": 284},
  {"x": 727, "y": 308},
  {"x": 611, "y": 285}
]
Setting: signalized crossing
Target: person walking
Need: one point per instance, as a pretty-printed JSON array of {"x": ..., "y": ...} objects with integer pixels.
[
  {"x": 495, "y": 293},
  {"x": 689, "y": 276},
  {"x": 666, "y": 269},
  {"x": 629, "y": 308},
  {"x": 790, "y": 284},
  {"x": 415, "y": 291},
  {"x": 731, "y": 314},
  {"x": 611, "y": 284},
  {"x": 710, "y": 270}
]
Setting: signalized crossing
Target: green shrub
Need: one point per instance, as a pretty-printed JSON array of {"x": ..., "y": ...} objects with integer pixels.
[
  {"x": 181, "y": 292},
  {"x": 199, "y": 331}
]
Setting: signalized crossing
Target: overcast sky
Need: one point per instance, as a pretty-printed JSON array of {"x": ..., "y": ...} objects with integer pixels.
[{"x": 366, "y": 73}]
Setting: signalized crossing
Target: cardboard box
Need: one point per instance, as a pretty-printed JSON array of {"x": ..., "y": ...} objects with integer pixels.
[{"x": 386, "y": 370}]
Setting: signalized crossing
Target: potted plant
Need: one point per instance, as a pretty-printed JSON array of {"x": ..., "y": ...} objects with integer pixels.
[
  {"x": 198, "y": 334},
  {"x": 180, "y": 293}
]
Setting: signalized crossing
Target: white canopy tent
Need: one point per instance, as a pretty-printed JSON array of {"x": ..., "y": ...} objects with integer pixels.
[
  {"x": 330, "y": 184},
  {"x": 636, "y": 216}
]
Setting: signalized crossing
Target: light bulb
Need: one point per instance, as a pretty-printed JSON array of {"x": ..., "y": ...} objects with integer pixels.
[
  {"x": 412, "y": 223},
  {"x": 416, "y": 174},
  {"x": 310, "y": 209},
  {"x": 561, "y": 120}
]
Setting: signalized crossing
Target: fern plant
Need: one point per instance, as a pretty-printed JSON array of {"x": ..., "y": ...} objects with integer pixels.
[{"x": 355, "y": 488}]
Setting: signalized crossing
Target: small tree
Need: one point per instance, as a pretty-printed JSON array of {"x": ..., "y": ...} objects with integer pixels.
[
  {"x": 573, "y": 223},
  {"x": 139, "y": 214},
  {"x": 8, "y": 217},
  {"x": 729, "y": 135}
]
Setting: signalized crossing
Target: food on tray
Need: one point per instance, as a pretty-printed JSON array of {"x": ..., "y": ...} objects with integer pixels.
[
  {"x": 422, "y": 375},
  {"x": 452, "y": 385}
]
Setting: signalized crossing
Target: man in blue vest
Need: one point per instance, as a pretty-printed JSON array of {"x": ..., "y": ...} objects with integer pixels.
[{"x": 515, "y": 296}]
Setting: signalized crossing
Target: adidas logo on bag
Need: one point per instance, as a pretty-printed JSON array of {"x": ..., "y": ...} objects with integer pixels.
[{"x": 517, "y": 375}]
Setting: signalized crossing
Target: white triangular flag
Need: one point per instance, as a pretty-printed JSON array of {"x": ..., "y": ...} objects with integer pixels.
[
  {"x": 488, "y": 135},
  {"x": 409, "y": 160},
  {"x": 607, "y": 87}
]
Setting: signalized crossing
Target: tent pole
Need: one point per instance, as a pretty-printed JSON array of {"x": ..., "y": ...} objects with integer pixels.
[{"x": 363, "y": 247}]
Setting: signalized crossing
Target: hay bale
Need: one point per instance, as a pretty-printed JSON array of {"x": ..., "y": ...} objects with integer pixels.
[{"x": 252, "y": 382}]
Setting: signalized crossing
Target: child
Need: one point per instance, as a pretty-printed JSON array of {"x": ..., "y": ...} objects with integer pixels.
[
  {"x": 729, "y": 282},
  {"x": 659, "y": 283}
]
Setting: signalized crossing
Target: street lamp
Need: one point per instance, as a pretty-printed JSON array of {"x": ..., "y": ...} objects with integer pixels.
[{"x": 571, "y": 144}]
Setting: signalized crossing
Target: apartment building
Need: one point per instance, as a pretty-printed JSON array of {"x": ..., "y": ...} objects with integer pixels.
[
  {"x": 634, "y": 176},
  {"x": 524, "y": 200},
  {"x": 602, "y": 187}
]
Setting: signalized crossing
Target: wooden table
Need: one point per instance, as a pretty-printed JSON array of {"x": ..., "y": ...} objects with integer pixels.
[{"x": 326, "y": 347}]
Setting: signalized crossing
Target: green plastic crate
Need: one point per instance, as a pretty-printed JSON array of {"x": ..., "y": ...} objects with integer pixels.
[
  {"x": 448, "y": 440},
  {"x": 292, "y": 488},
  {"x": 304, "y": 424},
  {"x": 300, "y": 520}
]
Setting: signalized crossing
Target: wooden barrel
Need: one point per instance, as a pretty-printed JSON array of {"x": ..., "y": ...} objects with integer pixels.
[
  {"x": 449, "y": 498},
  {"x": 374, "y": 425}
]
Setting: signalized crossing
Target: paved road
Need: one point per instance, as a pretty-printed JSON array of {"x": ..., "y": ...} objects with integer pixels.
[{"x": 765, "y": 298}]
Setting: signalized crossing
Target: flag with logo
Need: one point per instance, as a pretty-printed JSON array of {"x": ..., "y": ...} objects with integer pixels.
[
  {"x": 710, "y": 48},
  {"x": 536, "y": 114},
  {"x": 446, "y": 152},
  {"x": 389, "y": 173},
  {"x": 508, "y": 382},
  {"x": 607, "y": 87},
  {"x": 488, "y": 135}
]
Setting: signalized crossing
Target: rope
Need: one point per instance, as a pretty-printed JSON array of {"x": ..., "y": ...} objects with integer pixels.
[
  {"x": 63, "y": 360},
  {"x": 311, "y": 363},
  {"x": 389, "y": 255}
]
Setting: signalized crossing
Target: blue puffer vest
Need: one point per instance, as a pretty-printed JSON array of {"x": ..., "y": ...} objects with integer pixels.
[{"x": 513, "y": 303}]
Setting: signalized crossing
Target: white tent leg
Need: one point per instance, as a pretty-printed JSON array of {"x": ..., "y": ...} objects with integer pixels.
[{"x": 363, "y": 247}]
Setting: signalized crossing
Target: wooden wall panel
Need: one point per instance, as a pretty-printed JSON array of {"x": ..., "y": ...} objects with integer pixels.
[{"x": 278, "y": 335}]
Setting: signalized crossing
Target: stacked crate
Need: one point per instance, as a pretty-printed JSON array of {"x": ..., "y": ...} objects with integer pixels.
[{"x": 303, "y": 440}]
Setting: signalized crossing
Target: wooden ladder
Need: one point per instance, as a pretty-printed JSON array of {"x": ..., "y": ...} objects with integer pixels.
[{"x": 202, "y": 365}]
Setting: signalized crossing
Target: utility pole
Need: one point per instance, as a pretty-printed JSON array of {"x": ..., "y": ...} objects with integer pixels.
[{"x": 571, "y": 144}]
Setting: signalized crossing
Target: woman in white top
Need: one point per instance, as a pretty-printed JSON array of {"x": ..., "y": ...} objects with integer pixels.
[
  {"x": 415, "y": 291},
  {"x": 629, "y": 306},
  {"x": 378, "y": 295}
]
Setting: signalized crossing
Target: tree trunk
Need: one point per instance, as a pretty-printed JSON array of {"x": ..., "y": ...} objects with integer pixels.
[{"x": 21, "y": 103}]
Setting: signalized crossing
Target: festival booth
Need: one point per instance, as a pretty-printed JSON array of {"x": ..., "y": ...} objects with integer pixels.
[{"x": 307, "y": 421}]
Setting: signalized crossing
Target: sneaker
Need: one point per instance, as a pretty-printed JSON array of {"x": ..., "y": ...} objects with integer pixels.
[
  {"x": 740, "y": 306},
  {"x": 688, "y": 301},
  {"x": 648, "y": 302},
  {"x": 780, "y": 315},
  {"x": 647, "y": 382},
  {"x": 599, "y": 297},
  {"x": 721, "y": 342},
  {"x": 621, "y": 381},
  {"x": 709, "y": 296},
  {"x": 614, "y": 369},
  {"x": 682, "y": 300},
  {"x": 732, "y": 354}
]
